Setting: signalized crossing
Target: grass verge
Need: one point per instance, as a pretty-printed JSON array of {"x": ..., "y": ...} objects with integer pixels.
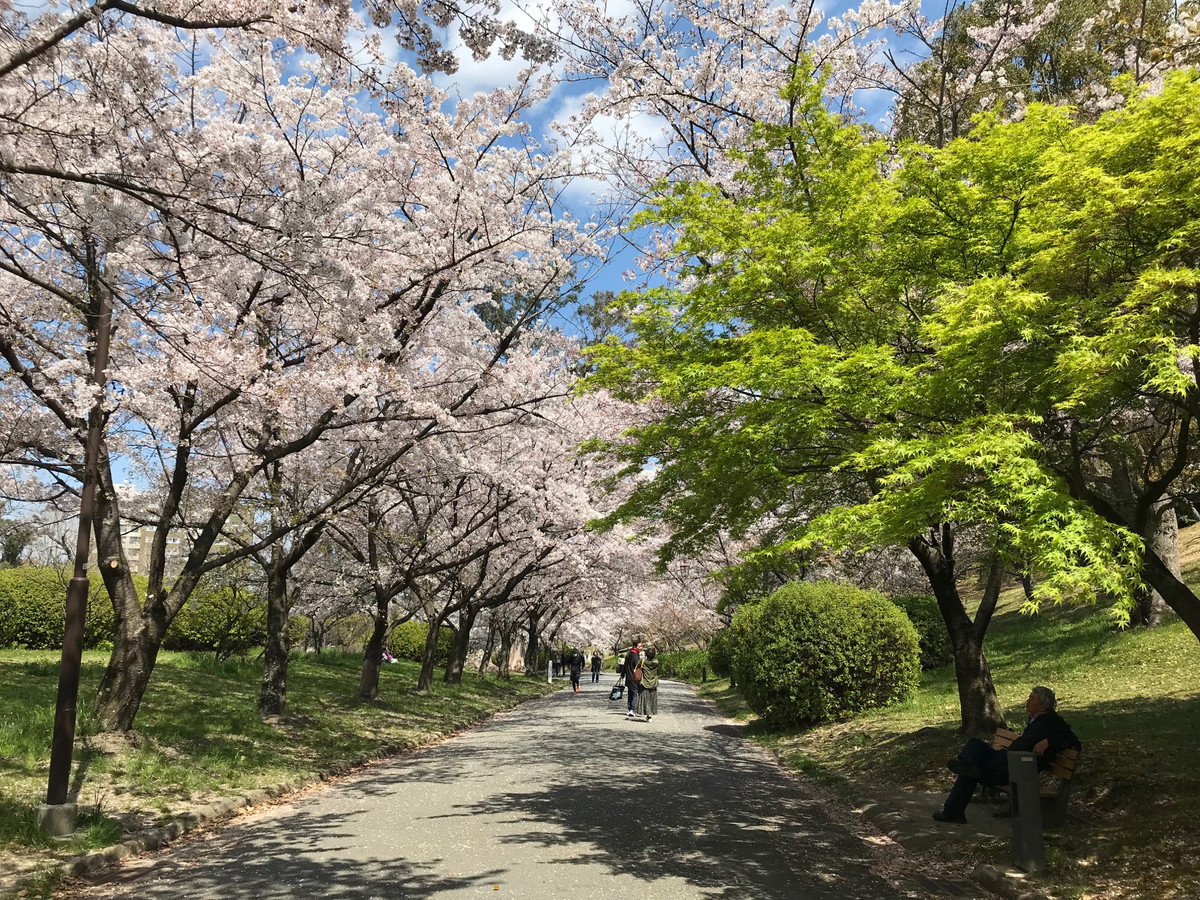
[
  {"x": 199, "y": 738},
  {"x": 1131, "y": 696}
]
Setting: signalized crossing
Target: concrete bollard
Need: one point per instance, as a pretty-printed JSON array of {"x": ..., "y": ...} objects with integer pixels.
[
  {"x": 550, "y": 673},
  {"x": 1025, "y": 794},
  {"x": 58, "y": 820}
]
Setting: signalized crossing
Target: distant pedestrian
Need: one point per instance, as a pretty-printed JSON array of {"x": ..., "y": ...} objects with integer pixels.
[
  {"x": 596, "y": 662},
  {"x": 648, "y": 686},
  {"x": 576, "y": 671},
  {"x": 632, "y": 659}
]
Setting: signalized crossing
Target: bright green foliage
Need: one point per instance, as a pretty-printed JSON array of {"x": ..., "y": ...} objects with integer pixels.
[
  {"x": 922, "y": 611},
  {"x": 720, "y": 653},
  {"x": 1082, "y": 343},
  {"x": 767, "y": 373},
  {"x": 686, "y": 665},
  {"x": 1000, "y": 335},
  {"x": 226, "y": 620},
  {"x": 408, "y": 641},
  {"x": 32, "y": 609},
  {"x": 816, "y": 651}
]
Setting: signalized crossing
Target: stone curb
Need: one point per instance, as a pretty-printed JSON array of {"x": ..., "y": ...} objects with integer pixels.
[{"x": 152, "y": 839}]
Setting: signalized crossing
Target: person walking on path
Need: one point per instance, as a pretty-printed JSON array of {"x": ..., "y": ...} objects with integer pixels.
[
  {"x": 1047, "y": 734},
  {"x": 576, "y": 671},
  {"x": 632, "y": 659},
  {"x": 596, "y": 662},
  {"x": 647, "y": 704}
]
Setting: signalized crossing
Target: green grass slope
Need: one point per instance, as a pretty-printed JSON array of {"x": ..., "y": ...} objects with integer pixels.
[
  {"x": 199, "y": 738},
  {"x": 1132, "y": 696}
]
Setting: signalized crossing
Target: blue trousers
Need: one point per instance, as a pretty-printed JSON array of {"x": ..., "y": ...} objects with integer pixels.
[{"x": 992, "y": 763}]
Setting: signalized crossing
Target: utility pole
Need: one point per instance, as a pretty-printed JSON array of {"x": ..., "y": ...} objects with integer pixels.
[{"x": 56, "y": 816}]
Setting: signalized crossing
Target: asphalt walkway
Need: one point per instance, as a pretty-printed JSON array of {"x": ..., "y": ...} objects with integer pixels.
[{"x": 562, "y": 797}]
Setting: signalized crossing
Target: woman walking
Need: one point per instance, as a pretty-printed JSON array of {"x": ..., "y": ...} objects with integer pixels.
[{"x": 648, "y": 695}]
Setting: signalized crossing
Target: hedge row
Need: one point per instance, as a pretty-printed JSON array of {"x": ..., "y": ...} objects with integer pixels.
[
  {"x": 934, "y": 639},
  {"x": 33, "y": 602},
  {"x": 407, "y": 641},
  {"x": 33, "y": 615},
  {"x": 685, "y": 665}
]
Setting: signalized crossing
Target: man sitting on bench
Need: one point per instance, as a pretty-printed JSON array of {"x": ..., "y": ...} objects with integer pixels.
[{"x": 1046, "y": 734}]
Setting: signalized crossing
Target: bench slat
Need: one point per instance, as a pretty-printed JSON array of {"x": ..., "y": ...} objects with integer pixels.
[{"x": 1063, "y": 768}]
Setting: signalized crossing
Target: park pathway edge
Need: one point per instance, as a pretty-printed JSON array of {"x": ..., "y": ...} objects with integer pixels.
[{"x": 90, "y": 861}]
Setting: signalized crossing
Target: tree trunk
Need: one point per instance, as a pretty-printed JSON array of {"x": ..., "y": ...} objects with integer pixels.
[
  {"x": 138, "y": 629},
  {"x": 272, "y": 696},
  {"x": 462, "y": 645},
  {"x": 506, "y": 650},
  {"x": 1156, "y": 571},
  {"x": 137, "y": 634},
  {"x": 125, "y": 679},
  {"x": 1177, "y": 595},
  {"x": 429, "y": 657},
  {"x": 368, "y": 679},
  {"x": 531, "y": 646},
  {"x": 979, "y": 709},
  {"x": 316, "y": 635},
  {"x": 488, "y": 647},
  {"x": 1162, "y": 538}
]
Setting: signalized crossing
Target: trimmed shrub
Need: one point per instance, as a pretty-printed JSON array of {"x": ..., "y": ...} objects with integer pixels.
[
  {"x": 686, "y": 665},
  {"x": 408, "y": 641},
  {"x": 226, "y": 621},
  {"x": 814, "y": 652},
  {"x": 33, "y": 602},
  {"x": 720, "y": 649},
  {"x": 922, "y": 610}
]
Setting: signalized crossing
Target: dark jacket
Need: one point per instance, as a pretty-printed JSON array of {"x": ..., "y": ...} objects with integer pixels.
[
  {"x": 577, "y": 664},
  {"x": 631, "y": 661},
  {"x": 596, "y": 661},
  {"x": 1052, "y": 727}
]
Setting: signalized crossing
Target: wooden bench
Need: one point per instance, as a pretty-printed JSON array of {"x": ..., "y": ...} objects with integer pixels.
[{"x": 1054, "y": 796}]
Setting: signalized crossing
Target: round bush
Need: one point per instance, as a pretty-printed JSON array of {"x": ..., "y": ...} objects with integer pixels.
[
  {"x": 814, "y": 652},
  {"x": 922, "y": 610},
  {"x": 408, "y": 641},
  {"x": 719, "y": 650}
]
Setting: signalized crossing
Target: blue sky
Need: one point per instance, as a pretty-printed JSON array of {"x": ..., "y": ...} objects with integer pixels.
[{"x": 496, "y": 72}]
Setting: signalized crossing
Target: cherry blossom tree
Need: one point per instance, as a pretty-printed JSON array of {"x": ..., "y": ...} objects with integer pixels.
[{"x": 278, "y": 261}]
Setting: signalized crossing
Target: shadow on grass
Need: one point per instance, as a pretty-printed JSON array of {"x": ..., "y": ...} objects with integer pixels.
[{"x": 18, "y": 824}]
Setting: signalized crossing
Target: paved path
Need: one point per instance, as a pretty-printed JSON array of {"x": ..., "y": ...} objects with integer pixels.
[{"x": 561, "y": 798}]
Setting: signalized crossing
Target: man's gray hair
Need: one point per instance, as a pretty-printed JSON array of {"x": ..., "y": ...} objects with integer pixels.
[{"x": 1046, "y": 696}]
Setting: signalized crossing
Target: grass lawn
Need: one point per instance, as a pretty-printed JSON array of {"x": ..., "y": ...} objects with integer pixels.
[
  {"x": 1133, "y": 697},
  {"x": 199, "y": 738}
]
